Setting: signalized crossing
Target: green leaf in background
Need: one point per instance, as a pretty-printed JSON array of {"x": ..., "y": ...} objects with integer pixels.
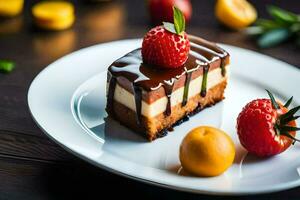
[
  {"x": 254, "y": 30},
  {"x": 267, "y": 24},
  {"x": 273, "y": 37},
  {"x": 179, "y": 21},
  {"x": 6, "y": 66},
  {"x": 283, "y": 16},
  {"x": 271, "y": 32},
  {"x": 169, "y": 27},
  {"x": 295, "y": 27}
]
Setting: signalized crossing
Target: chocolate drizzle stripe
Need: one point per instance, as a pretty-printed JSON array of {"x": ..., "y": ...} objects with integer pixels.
[
  {"x": 223, "y": 70},
  {"x": 204, "y": 81},
  {"x": 110, "y": 95},
  {"x": 138, "y": 103},
  {"x": 186, "y": 88},
  {"x": 168, "y": 108},
  {"x": 168, "y": 90}
]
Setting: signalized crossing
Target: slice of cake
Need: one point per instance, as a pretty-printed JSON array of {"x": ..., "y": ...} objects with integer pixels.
[{"x": 151, "y": 99}]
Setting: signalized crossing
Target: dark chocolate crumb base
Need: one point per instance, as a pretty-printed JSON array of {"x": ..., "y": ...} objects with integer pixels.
[{"x": 164, "y": 132}]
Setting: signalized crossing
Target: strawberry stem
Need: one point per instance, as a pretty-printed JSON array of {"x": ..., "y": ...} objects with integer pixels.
[
  {"x": 288, "y": 119},
  {"x": 273, "y": 101},
  {"x": 288, "y": 128},
  {"x": 277, "y": 131},
  {"x": 291, "y": 137},
  {"x": 288, "y": 103},
  {"x": 289, "y": 113},
  {"x": 281, "y": 126}
]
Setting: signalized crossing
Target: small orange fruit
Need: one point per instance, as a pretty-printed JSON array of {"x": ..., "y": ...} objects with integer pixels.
[
  {"x": 206, "y": 151},
  {"x": 235, "y": 14}
]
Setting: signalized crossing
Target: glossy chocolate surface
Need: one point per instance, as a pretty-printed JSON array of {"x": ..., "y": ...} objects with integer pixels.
[
  {"x": 202, "y": 56},
  {"x": 149, "y": 77}
]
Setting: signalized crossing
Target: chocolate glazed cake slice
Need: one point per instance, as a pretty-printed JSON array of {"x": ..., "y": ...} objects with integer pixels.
[{"x": 151, "y": 100}]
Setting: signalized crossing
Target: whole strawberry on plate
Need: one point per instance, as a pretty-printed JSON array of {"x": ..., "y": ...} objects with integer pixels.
[
  {"x": 266, "y": 127},
  {"x": 167, "y": 46}
]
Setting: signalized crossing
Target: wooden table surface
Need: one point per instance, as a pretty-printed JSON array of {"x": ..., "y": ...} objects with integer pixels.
[{"x": 34, "y": 167}]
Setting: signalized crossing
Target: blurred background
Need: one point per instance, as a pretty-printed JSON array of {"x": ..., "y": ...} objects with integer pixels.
[
  {"x": 33, "y": 167},
  {"x": 109, "y": 20}
]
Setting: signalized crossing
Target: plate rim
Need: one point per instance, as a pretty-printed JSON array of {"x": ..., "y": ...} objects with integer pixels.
[{"x": 278, "y": 187}]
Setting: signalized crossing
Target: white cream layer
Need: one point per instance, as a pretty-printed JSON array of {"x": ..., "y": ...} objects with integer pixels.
[{"x": 151, "y": 110}]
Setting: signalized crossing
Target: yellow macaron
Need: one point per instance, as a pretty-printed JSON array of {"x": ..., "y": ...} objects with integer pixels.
[
  {"x": 10, "y": 8},
  {"x": 53, "y": 15}
]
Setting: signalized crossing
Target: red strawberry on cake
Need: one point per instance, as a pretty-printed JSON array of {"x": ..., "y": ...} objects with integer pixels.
[{"x": 168, "y": 45}]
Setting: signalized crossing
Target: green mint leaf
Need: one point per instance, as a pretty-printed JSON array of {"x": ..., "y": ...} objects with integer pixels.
[
  {"x": 273, "y": 37},
  {"x": 169, "y": 27},
  {"x": 274, "y": 103},
  {"x": 179, "y": 21},
  {"x": 282, "y": 16},
  {"x": 6, "y": 66}
]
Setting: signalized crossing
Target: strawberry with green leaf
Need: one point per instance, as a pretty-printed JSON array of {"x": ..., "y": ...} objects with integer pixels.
[
  {"x": 167, "y": 46},
  {"x": 266, "y": 127}
]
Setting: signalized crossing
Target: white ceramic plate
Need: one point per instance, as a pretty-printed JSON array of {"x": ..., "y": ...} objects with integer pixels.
[{"x": 67, "y": 100}]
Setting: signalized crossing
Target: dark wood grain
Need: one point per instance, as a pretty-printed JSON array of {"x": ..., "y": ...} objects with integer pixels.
[
  {"x": 32, "y": 166},
  {"x": 30, "y": 147}
]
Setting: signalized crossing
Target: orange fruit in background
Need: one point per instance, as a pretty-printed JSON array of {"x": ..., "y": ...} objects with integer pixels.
[
  {"x": 10, "y": 8},
  {"x": 55, "y": 15},
  {"x": 235, "y": 14},
  {"x": 206, "y": 151}
]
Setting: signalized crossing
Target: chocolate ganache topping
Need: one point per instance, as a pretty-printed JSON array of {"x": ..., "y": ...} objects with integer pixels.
[{"x": 203, "y": 54}]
